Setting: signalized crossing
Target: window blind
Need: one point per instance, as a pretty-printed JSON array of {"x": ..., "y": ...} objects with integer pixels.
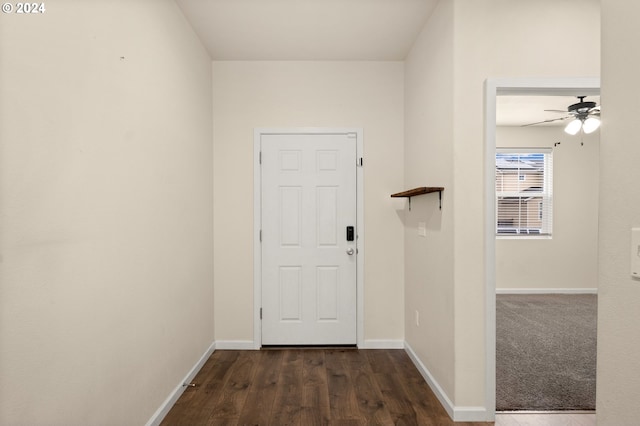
[{"x": 524, "y": 192}]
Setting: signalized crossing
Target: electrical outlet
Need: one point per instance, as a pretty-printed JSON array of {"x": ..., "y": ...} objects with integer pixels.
[
  {"x": 417, "y": 319},
  {"x": 422, "y": 229}
]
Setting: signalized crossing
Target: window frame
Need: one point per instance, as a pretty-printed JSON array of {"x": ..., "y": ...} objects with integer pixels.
[{"x": 544, "y": 197}]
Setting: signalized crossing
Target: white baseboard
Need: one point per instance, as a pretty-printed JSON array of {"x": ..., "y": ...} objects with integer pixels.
[
  {"x": 237, "y": 345},
  {"x": 382, "y": 344},
  {"x": 163, "y": 410},
  {"x": 470, "y": 414},
  {"x": 431, "y": 381},
  {"x": 546, "y": 291},
  {"x": 458, "y": 414}
]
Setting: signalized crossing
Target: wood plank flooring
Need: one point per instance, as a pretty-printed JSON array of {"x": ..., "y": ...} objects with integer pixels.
[{"x": 308, "y": 387}]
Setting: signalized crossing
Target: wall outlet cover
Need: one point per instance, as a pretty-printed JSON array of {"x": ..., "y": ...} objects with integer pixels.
[{"x": 422, "y": 229}]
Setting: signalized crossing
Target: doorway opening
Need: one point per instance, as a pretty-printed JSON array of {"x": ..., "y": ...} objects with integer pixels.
[{"x": 493, "y": 89}]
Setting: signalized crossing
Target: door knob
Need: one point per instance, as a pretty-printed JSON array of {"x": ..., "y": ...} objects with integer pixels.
[{"x": 350, "y": 251}]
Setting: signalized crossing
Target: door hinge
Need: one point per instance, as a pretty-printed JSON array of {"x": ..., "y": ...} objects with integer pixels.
[
  {"x": 360, "y": 162},
  {"x": 260, "y": 313},
  {"x": 261, "y": 235},
  {"x": 260, "y": 157}
]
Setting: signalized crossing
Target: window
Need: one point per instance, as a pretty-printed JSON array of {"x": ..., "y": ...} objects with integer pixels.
[{"x": 524, "y": 192}]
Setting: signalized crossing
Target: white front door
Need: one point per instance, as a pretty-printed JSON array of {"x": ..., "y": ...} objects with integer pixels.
[{"x": 308, "y": 254}]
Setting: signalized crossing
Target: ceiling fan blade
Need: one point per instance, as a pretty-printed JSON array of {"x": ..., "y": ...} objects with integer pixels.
[
  {"x": 556, "y": 110},
  {"x": 547, "y": 121}
]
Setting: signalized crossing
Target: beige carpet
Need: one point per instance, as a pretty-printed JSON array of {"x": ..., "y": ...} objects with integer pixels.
[{"x": 546, "y": 352}]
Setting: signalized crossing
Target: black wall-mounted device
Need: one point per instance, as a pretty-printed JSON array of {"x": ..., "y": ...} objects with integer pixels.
[{"x": 350, "y": 233}]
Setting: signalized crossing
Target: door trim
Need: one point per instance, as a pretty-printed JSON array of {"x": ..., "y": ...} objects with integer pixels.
[{"x": 257, "y": 221}]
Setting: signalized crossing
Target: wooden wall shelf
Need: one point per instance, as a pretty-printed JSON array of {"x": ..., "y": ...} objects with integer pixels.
[{"x": 420, "y": 191}]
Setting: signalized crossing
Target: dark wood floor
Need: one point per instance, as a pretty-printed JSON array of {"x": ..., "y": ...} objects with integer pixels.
[{"x": 309, "y": 387}]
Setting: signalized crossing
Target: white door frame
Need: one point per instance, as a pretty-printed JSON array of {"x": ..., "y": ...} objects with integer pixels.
[
  {"x": 257, "y": 221},
  {"x": 493, "y": 88}
]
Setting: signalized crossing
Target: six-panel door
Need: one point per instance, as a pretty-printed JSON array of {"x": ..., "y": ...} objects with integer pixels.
[{"x": 308, "y": 266}]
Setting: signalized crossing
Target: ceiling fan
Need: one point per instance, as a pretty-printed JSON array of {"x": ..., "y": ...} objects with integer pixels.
[{"x": 585, "y": 115}]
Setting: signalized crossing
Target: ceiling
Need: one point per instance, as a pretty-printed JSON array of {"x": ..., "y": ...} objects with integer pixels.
[
  {"x": 334, "y": 30},
  {"x": 519, "y": 110},
  {"x": 365, "y": 30}
]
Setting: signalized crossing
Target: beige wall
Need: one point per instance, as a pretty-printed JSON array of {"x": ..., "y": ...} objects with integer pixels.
[
  {"x": 499, "y": 38},
  {"x": 619, "y": 295},
  {"x": 569, "y": 259},
  {"x": 429, "y": 162},
  {"x": 106, "y": 296},
  {"x": 491, "y": 38},
  {"x": 250, "y": 95}
]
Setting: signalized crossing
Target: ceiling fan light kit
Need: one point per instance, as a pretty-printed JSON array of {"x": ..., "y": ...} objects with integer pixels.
[
  {"x": 585, "y": 115},
  {"x": 573, "y": 127},
  {"x": 590, "y": 125}
]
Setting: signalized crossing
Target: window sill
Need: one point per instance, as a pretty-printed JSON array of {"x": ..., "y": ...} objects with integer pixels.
[{"x": 524, "y": 237}]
